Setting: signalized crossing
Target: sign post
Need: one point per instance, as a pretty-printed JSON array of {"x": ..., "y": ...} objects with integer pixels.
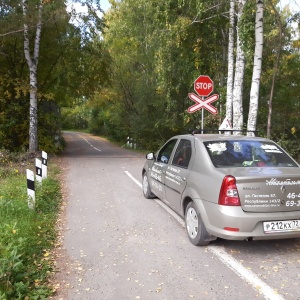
[{"x": 203, "y": 86}]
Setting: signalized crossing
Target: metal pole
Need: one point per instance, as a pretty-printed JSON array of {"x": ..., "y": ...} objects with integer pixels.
[{"x": 202, "y": 117}]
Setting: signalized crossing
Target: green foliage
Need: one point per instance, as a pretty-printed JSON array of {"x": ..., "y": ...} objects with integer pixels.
[
  {"x": 290, "y": 141},
  {"x": 134, "y": 80},
  {"x": 27, "y": 236},
  {"x": 72, "y": 64},
  {"x": 157, "y": 53},
  {"x": 11, "y": 264},
  {"x": 247, "y": 29},
  {"x": 76, "y": 117}
]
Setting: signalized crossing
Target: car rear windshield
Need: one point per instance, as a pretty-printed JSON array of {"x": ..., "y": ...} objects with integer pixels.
[{"x": 240, "y": 153}]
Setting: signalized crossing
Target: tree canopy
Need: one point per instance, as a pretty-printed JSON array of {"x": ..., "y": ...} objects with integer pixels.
[{"x": 128, "y": 71}]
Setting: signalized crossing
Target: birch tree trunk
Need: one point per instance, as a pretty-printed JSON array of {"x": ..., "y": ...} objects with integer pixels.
[
  {"x": 32, "y": 62},
  {"x": 254, "y": 92},
  {"x": 239, "y": 76},
  {"x": 230, "y": 74}
]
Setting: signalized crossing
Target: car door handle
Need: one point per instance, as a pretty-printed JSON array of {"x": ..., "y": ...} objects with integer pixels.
[{"x": 183, "y": 178}]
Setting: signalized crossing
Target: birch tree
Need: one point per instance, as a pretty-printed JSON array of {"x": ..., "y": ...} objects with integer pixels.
[
  {"x": 230, "y": 62},
  {"x": 239, "y": 76},
  {"x": 32, "y": 61},
  {"x": 254, "y": 92}
]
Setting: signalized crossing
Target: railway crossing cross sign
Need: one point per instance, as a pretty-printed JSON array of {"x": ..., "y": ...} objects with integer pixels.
[{"x": 203, "y": 103}]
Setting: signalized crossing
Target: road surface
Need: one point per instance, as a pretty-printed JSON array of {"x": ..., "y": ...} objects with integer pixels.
[{"x": 119, "y": 245}]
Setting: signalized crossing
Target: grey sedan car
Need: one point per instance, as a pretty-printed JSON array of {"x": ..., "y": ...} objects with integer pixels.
[{"x": 227, "y": 186}]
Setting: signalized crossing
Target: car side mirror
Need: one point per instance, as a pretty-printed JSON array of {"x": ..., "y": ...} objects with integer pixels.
[{"x": 150, "y": 156}]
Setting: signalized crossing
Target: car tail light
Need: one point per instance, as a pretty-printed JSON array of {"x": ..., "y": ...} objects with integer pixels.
[{"x": 228, "y": 193}]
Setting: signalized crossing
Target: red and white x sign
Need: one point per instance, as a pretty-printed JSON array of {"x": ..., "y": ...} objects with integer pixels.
[{"x": 203, "y": 103}]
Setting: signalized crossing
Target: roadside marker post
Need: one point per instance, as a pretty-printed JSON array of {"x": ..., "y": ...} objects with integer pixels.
[
  {"x": 44, "y": 164},
  {"x": 131, "y": 143},
  {"x": 38, "y": 170},
  {"x": 30, "y": 188}
]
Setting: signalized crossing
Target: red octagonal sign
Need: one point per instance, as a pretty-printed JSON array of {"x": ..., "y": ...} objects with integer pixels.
[{"x": 203, "y": 85}]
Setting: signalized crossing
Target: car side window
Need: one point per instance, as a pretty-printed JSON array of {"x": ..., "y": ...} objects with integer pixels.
[
  {"x": 183, "y": 154},
  {"x": 165, "y": 153}
]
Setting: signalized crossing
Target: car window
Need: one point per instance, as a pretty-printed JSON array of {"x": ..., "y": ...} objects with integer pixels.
[
  {"x": 182, "y": 154},
  {"x": 165, "y": 153},
  {"x": 247, "y": 154}
]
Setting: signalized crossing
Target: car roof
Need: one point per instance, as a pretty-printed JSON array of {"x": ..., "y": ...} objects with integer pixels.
[{"x": 214, "y": 137}]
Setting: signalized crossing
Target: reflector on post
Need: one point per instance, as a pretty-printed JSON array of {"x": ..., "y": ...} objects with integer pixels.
[{"x": 38, "y": 170}]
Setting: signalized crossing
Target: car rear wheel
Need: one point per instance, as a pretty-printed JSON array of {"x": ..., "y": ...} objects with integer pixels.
[
  {"x": 146, "y": 188},
  {"x": 195, "y": 228}
]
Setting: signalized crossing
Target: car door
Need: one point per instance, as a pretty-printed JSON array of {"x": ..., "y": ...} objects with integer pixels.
[
  {"x": 177, "y": 173},
  {"x": 159, "y": 167}
]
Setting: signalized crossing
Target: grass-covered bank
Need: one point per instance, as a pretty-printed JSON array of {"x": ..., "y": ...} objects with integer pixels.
[{"x": 27, "y": 237}]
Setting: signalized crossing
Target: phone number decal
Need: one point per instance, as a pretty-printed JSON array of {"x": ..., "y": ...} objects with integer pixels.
[
  {"x": 292, "y": 203},
  {"x": 293, "y": 196}
]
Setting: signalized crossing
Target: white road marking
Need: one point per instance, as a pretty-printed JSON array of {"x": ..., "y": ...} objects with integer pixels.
[
  {"x": 264, "y": 289},
  {"x": 247, "y": 275},
  {"x": 171, "y": 212},
  {"x": 132, "y": 178},
  {"x": 89, "y": 143}
]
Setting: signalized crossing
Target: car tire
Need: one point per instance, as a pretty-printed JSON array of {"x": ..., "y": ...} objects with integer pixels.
[
  {"x": 194, "y": 226},
  {"x": 146, "y": 188}
]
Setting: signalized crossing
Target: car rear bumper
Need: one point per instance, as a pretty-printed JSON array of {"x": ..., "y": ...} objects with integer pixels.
[{"x": 242, "y": 225}]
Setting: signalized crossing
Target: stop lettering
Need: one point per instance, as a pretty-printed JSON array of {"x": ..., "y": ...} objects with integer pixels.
[{"x": 203, "y": 85}]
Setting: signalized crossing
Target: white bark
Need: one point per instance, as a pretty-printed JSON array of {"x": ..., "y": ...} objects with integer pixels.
[
  {"x": 239, "y": 77},
  {"x": 254, "y": 92},
  {"x": 230, "y": 63},
  {"x": 32, "y": 62}
]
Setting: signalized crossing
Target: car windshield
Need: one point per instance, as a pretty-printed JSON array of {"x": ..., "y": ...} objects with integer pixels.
[{"x": 242, "y": 153}]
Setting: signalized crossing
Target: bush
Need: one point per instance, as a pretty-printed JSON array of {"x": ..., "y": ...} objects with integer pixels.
[{"x": 290, "y": 144}]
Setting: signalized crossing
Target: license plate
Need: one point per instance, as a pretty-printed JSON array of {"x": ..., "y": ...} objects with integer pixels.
[{"x": 281, "y": 226}]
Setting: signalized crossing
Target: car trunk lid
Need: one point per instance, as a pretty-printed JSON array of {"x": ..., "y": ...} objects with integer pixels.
[{"x": 269, "y": 189}]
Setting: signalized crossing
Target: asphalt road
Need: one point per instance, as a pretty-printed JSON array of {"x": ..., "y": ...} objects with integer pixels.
[{"x": 119, "y": 245}]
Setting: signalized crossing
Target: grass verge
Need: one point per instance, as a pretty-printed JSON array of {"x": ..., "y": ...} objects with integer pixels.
[{"x": 27, "y": 236}]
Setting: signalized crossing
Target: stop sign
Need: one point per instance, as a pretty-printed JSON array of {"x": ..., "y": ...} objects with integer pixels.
[{"x": 203, "y": 85}]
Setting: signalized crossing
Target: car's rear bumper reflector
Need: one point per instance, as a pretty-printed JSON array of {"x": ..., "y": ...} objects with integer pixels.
[{"x": 231, "y": 229}]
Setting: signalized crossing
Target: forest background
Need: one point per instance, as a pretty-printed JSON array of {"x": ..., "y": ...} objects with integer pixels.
[{"x": 127, "y": 72}]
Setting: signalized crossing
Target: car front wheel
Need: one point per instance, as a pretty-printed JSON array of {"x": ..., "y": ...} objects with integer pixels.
[
  {"x": 195, "y": 228},
  {"x": 146, "y": 188}
]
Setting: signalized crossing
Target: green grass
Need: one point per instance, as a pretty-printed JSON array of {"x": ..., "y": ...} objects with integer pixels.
[{"x": 27, "y": 236}]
